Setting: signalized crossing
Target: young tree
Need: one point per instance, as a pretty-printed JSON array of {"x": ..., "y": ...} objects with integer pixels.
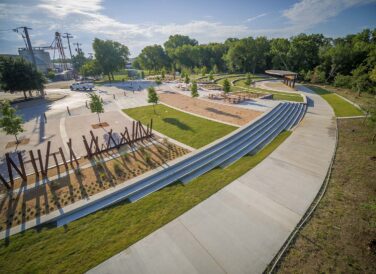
[
  {"x": 158, "y": 81},
  {"x": 186, "y": 80},
  {"x": 204, "y": 70},
  {"x": 51, "y": 75},
  {"x": 194, "y": 91},
  {"x": 248, "y": 80},
  {"x": 211, "y": 76},
  {"x": 96, "y": 104},
  {"x": 163, "y": 73},
  {"x": 152, "y": 97},
  {"x": 226, "y": 86},
  {"x": 9, "y": 121},
  {"x": 215, "y": 69}
]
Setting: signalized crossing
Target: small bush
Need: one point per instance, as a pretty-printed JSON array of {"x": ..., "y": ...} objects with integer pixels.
[{"x": 118, "y": 170}]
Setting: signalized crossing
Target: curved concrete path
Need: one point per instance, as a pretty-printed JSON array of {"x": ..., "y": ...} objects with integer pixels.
[{"x": 241, "y": 228}]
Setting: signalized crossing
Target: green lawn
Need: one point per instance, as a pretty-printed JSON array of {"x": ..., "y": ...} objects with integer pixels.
[
  {"x": 341, "y": 107},
  {"x": 89, "y": 241},
  {"x": 188, "y": 129}
]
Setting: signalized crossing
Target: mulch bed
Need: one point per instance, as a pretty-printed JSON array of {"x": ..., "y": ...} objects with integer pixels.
[
  {"x": 100, "y": 125},
  {"x": 24, "y": 141}
]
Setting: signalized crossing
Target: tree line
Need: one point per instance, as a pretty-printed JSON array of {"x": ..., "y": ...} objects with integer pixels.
[{"x": 348, "y": 61}]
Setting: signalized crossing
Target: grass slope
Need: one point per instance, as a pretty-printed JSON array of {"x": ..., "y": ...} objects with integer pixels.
[
  {"x": 341, "y": 107},
  {"x": 338, "y": 237},
  {"x": 87, "y": 242},
  {"x": 188, "y": 129},
  {"x": 277, "y": 95}
]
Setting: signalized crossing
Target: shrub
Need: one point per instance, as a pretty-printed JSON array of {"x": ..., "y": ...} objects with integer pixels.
[
  {"x": 318, "y": 76},
  {"x": 342, "y": 81}
]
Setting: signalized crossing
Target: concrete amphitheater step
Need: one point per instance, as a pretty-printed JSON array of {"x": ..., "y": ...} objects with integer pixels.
[
  {"x": 265, "y": 138},
  {"x": 238, "y": 146},
  {"x": 188, "y": 171}
]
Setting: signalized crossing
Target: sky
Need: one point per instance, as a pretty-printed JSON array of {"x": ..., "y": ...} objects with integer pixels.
[{"x": 139, "y": 23}]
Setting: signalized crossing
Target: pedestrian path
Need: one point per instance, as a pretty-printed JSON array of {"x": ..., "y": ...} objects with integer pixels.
[{"x": 241, "y": 228}]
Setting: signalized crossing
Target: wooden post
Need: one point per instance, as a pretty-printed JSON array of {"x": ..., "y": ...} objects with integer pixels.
[
  {"x": 10, "y": 173},
  {"x": 95, "y": 139},
  {"x": 88, "y": 149},
  {"x": 10, "y": 163},
  {"x": 47, "y": 156},
  {"x": 41, "y": 163},
  {"x": 63, "y": 157},
  {"x": 68, "y": 111},
  {"x": 4, "y": 182},
  {"x": 143, "y": 131},
  {"x": 45, "y": 118},
  {"x": 132, "y": 131},
  {"x": 33, "y": 162},
  {"x": 21, "y": 162},
  {"x": 71, "y": 153},
  {"x": 136, "y": 131},
  {"x": 56, "y": 162}
]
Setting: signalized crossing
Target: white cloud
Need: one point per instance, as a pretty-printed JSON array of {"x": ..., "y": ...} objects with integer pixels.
[
  {"x": 308, "y": 13},
  {"x": 85, "y": 18},
  {"x": 62, "y": 8},
  {"x": 256, "y": 17}
]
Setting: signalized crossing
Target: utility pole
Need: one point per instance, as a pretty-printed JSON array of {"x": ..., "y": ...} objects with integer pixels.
[
  {"x": 78, "y": 47},
  {"x": 68, "y": 35},
  {"x": 28, "y": 42}
]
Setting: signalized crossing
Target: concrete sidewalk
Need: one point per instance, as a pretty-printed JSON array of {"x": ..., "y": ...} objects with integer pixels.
[{"x": 241, "y": 228}]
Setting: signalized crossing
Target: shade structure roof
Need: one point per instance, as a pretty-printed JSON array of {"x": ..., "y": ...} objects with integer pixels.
[{"x": 280, "y": 72}]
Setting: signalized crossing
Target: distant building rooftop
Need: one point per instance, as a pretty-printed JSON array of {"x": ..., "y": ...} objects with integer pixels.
[{"x": 280, "y": 72}]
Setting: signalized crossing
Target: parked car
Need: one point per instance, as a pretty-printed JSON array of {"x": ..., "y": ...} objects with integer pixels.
[{"x": 82, "y": 86}]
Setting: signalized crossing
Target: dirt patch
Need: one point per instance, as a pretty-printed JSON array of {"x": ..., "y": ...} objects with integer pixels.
[
  {"x": 16, "y": 208},
  {"x": 21, "y": 142},
  {"x": 221, "y": 112},
  {"x": 60, "y": 84},
  {"x": 100, "y": 125}
]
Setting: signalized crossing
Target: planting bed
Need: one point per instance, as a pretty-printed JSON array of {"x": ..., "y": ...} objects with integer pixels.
[{"x": 16, "y": 208}]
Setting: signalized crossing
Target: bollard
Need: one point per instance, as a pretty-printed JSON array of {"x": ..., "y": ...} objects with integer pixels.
[
  {"x": 114, "y": 96},
  {"x": 124, "y": 94},
  {"x": 86, "y": 104},
  {"x": 68, "y": 111}
]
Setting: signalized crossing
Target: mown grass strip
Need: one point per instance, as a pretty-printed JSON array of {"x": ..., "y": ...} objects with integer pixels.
[
  {"x": 85, "y": 243},
  {"x": 188, "y": 129},
  {"x": 341, "y": 107}
]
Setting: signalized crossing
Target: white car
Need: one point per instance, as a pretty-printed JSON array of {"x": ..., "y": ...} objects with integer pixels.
[{"x": 82, "y": 86}]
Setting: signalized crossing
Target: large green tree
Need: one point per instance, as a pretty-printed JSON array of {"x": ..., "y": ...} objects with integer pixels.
[
  {"x": 16, "y": 74},
  {"x": 111, "y": 56},
  {"x": 153, "y": 58},
  {"x": 91, "y": 68},
  {"x": 78, "y": 61}
]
